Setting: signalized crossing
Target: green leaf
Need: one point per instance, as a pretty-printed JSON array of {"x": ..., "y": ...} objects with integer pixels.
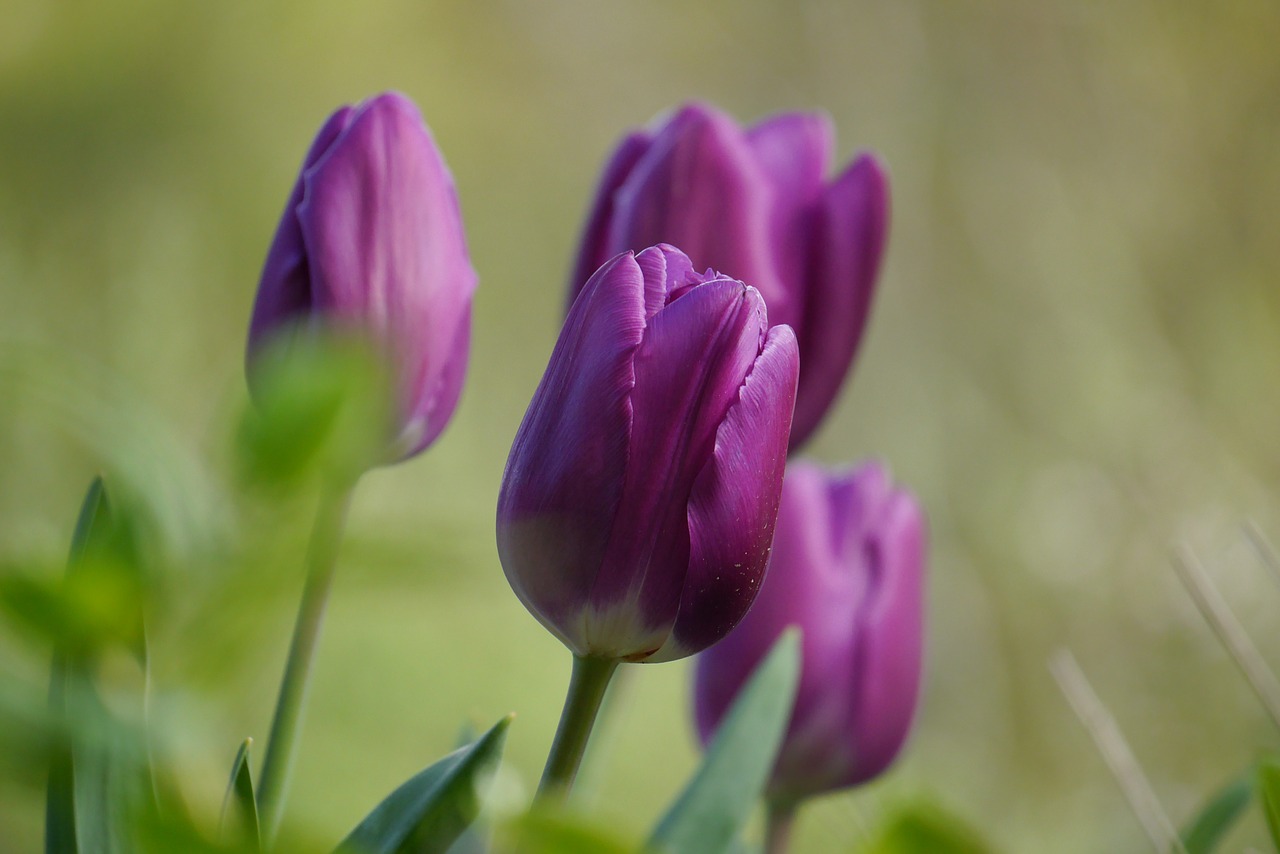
[
  {"x": 239, "y": 807},
  {"x": 431, "y": 810},
  {"x": 552, "y": 830},
  {"x": 98, "y": 768},
  {"x": 925, "y": 829},
  {"x": 715, "y": 805},
  {"x": 1203, "y": 833},
  {"x": 1269, "y": 794},
  {"x": 322, "y": 404}
]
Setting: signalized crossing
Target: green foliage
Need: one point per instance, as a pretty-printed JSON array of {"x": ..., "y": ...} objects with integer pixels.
[
  {"x": 925, "y": 829},
  {"x": 1268, "y": 781},
  {"x": 1219, "y": 814},
  {"x": 431, "y": 810},
  {"x": 712, "y": 810},
  {"x": 239, "y": 805},
  {"x": 551, "y": 830},
  {"x": 98, "y": 771},
  {"x": 322, "y": 404}
]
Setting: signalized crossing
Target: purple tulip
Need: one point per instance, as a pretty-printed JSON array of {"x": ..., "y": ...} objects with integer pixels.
[
  {"x": 371, "y": 242},
  {"x": 753, "y": 204},
  {"x": 847, "y": 568},
  {"x": 639, "y": 499}
]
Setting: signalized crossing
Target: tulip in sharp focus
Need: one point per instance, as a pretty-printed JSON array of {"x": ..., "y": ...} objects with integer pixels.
[
  {"x": 847, "y": 568},
  {"x": 639, "y": 499},
  {"x": 371, "y": 243},
  {"x": 754, "y": 204}
]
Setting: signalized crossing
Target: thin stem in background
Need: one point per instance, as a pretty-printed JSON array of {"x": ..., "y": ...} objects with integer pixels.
[
  {"x": 1230, "y": 632},
  {"x": 1261, "y": 545},
  {"x": 322, "y": 554},
  {"x": 586, "y": 689},
  {"x": 1115, "y": 751}
]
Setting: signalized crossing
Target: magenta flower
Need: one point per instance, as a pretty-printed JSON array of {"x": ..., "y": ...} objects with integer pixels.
[
  {"x": 640, "y": 496},
  {"x": 371, "y": 242},
  {"x": 847, "y": 568},
  {"x": 754, "y": 204}
]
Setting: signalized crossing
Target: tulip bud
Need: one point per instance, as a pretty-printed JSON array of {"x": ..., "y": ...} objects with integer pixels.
[
  {"x": 753, "y": 204},
  {"x": 638, "y": 502},
  {"x": 371, "y": 243},
  {"x": 847, "y": 568}
]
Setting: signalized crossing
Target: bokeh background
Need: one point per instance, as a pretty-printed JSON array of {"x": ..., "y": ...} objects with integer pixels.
[{"x": 1072, "y": 361}]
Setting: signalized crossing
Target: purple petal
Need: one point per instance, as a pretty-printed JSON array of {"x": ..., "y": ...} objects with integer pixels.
[
  {"x": 437, "y": 394},
  {"x": 699, "y": 186},
  {"x": 284, "y": 293},
  {"x": 386, "y": 245},
  {"x": 688, "y": 372},
  {"x": 564, "y": 476},
  {"x": 888, "y": 654},
  {"x": 665, "y": 268},
  {"x": 594, "y": 247},
  {"x": 849, "y": 245},
  {"x": 734, "y": 503},
  {"x": 794, "y": 151}
]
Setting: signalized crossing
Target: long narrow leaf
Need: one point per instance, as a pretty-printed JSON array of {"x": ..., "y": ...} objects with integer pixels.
[
  {"x": 1204, "y": 832},
  {"x": 715, "y": 805},
  {"x": 431, "y": 810},
  {"x": 239, "y": 806},
  {"x": 1269, "y": 794}
]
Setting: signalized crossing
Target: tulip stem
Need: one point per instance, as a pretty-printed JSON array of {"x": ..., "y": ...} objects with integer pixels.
[
  {"x": 321, "y": 559},
  {"x": 779, "y": 819},
  {"x": 586, "y": 690}
]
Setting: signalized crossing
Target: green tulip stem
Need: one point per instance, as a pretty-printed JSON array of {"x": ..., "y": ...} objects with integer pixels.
[
  {"x": 586, "y": 690},
  {"x": 779, "y": 819},
  {"x": 322, "y": 554}
]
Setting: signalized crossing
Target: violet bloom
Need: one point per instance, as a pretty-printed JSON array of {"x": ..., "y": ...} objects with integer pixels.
[
  {"x": 754, "y": 204},
  {"x": 639, "y": 499},
  {"x": 371, "y": 243},
  {"x": 847, "y": 568}
]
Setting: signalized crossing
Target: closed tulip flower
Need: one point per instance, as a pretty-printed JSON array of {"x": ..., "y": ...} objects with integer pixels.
[
  {"x": 640, "y": 495},
  {"x": 847, "y": 569},
  {"x": 755, "y": 204},
  {"x": 372, "y": 243}
]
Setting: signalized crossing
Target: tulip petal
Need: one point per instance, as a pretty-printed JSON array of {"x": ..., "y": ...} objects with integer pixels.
[
  {"x": 794, "y": 151},
  {"x": 688, "y": 372},
  {"x": 665, "y": 270},
  {"x": 734, "y": 502},
  {"x": 889, "y": 636},
  {"x": 285, "y": 291},
  {"x": 698, "y": 186},
  {"x": 852, "y": 228},
  {"x": 564, "y": 477},
  {"x": 437, "y": 394},
  {"x": 594, "y": 247},
  {"x": 385, "y": 241}
]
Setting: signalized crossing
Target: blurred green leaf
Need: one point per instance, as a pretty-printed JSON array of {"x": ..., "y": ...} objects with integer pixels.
[
  {"x": 1269, "y": 793},
  {"x": 550, "y": 830},
  {"x": 925, "y": 829},
  {"x": 321, "y": 405},
  {"x": 432, "y": 809},
  {"x": 714, "y": 807},
  {"x": 239, "y": 806},
  {"x": 1203, "y": 833}
]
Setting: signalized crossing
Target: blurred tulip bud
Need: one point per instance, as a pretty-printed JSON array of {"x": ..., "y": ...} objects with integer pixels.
[
  {"x": 753, "y": 204},
  {"x": 371, "y": 244},
  {"x": 847, "y": 568},
  {"x": 640, "y": 496}
]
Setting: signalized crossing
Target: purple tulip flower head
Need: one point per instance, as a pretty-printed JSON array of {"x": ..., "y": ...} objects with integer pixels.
[
  {"x": 640, "y": 496},
  {"x": 847, "y": 568},
  {"x": 371, "y": 243},
  {"x": 754, "y": 204}
]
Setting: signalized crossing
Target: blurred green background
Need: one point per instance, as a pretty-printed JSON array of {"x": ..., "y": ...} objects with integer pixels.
[{"x": 1072, "y": 361}]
